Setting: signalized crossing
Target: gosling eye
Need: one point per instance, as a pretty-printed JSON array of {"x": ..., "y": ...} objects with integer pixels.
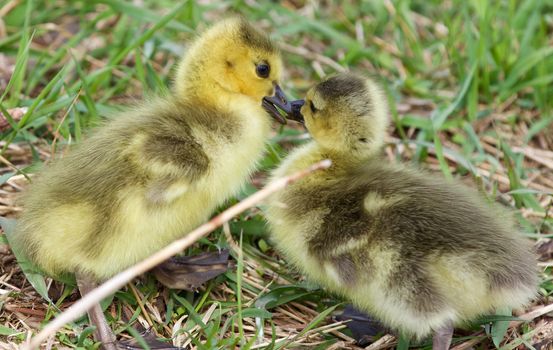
[
  {"x": 262, "y": 70},
  {"x": 312, "y": 107}
]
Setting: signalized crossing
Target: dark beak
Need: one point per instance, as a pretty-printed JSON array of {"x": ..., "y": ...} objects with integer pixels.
[{"x": 273, "y": 105}]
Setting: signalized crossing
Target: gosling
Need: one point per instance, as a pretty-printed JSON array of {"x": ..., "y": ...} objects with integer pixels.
[
  {"x": 158, "y": 170},
  {"x": 419, "y": 253}
]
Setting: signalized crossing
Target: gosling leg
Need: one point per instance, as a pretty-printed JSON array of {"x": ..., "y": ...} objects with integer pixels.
[
  {"x": 190, "y": 272},
  {"x": 96, "y": 316},
  {"x": 442, "y": 338}
]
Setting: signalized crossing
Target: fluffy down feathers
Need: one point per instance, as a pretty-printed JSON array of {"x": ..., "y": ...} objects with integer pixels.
[
  {"x": 159, "y": 169},
  {"x": 408, "y": 247}
]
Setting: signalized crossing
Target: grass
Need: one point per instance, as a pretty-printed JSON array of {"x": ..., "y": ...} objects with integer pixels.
[{"x": 469, "y": 84}]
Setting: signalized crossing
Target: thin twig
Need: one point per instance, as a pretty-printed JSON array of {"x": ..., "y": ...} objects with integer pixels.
[
  {"x": 230, "y": 240},
  {"x": 13, "y": 167},
  {"x": 8, "y": 7},
  {"x": 141, "y": 305},
  {"x": 529, "y": 316},
  {"x": 469, "y": 343},
  {"x": 385, "y": 342},
  {"x": 301, "y": 51},
  {"x": 119, "y": 280}
]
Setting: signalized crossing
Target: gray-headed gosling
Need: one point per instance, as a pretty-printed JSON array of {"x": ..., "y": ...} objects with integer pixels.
[
  {"x": 156, "y": 171},
  {"x": 419, "y": 253}
]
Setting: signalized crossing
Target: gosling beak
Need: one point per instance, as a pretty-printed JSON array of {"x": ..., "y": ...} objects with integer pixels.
[
  {"x": 296, "y": 114},
  {"x": 272, "y": 104}
]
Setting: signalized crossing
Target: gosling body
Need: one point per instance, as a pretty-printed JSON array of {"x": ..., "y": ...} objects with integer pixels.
[
  {"x": 416, "y": 251},
  {"x": 158, "y": 170}
]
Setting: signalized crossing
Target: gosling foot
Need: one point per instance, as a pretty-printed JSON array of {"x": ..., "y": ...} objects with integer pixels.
[
  {"x": 190, "y": 272},
  {"x": 96, "y": 316},
  {"x": 150, "y": 339},
  {"x": 442, "y": 338},
  {"x": 363, "y": 327}
]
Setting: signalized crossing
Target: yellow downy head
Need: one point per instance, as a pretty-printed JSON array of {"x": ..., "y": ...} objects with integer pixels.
[
  {"x": 346, "y": 114},
  {"x": 231, "y": 58}
]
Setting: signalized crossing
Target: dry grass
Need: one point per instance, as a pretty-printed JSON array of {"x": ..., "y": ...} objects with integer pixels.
[{"x": 498, "y": 137}]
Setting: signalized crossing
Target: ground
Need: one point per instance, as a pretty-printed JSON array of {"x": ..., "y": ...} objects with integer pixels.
[{"x": 469, "y": 86}]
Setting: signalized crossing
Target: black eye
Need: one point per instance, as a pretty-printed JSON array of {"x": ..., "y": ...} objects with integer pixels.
[
  {"x": 312, "y": 106},
  {"x": 263, "y": 70}
]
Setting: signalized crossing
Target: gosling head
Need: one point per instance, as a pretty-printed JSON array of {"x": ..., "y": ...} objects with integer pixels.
[
  {"x": 346, "y": 114},
  {"x": 231, "y": 58}
]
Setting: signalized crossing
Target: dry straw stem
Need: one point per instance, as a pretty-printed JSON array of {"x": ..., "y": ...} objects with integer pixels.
[{"x": 119, "y": 280}]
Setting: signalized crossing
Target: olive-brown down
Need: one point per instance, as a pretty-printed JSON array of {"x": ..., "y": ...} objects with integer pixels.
[
  {"x": 156, "y": 171},
  {"x": 414, "y": 250}
]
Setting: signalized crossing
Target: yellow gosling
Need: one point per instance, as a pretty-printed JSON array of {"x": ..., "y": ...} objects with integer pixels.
[
  {"x": 158, "y": 170},
  {"x": 419, "y": 253}
]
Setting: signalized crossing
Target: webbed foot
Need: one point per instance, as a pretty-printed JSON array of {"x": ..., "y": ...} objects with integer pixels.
[
  {"x": 151, "y": 340},
  {"x": 363, "y": 327},
  {"x": 190, "y": 272}
]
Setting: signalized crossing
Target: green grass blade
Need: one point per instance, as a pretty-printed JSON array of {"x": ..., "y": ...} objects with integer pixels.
[
  {"x": 524, "y": 65},
  {"x": 239, "y": 272},
  {"x": 538, "y": 127},
  {"x": 440, "y": 117},
  {"x": 143, "y": 14},
  {"x": 499, "y": 328},
  {"x": 440, "y": 155},
  {"x": 31, "y": 272},
  {"x": 55, "y": 80},
  {"x": 147, "y": 34},
  {"x": 16, "y": 80}
]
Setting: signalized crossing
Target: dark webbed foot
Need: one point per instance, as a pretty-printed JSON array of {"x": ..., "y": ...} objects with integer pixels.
[
  {"x": 362, "y": 326},
  {"x": 150, "y": 339},
  {"x": 190, "y": 272},
  {"x": 96, "y": 316}
]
